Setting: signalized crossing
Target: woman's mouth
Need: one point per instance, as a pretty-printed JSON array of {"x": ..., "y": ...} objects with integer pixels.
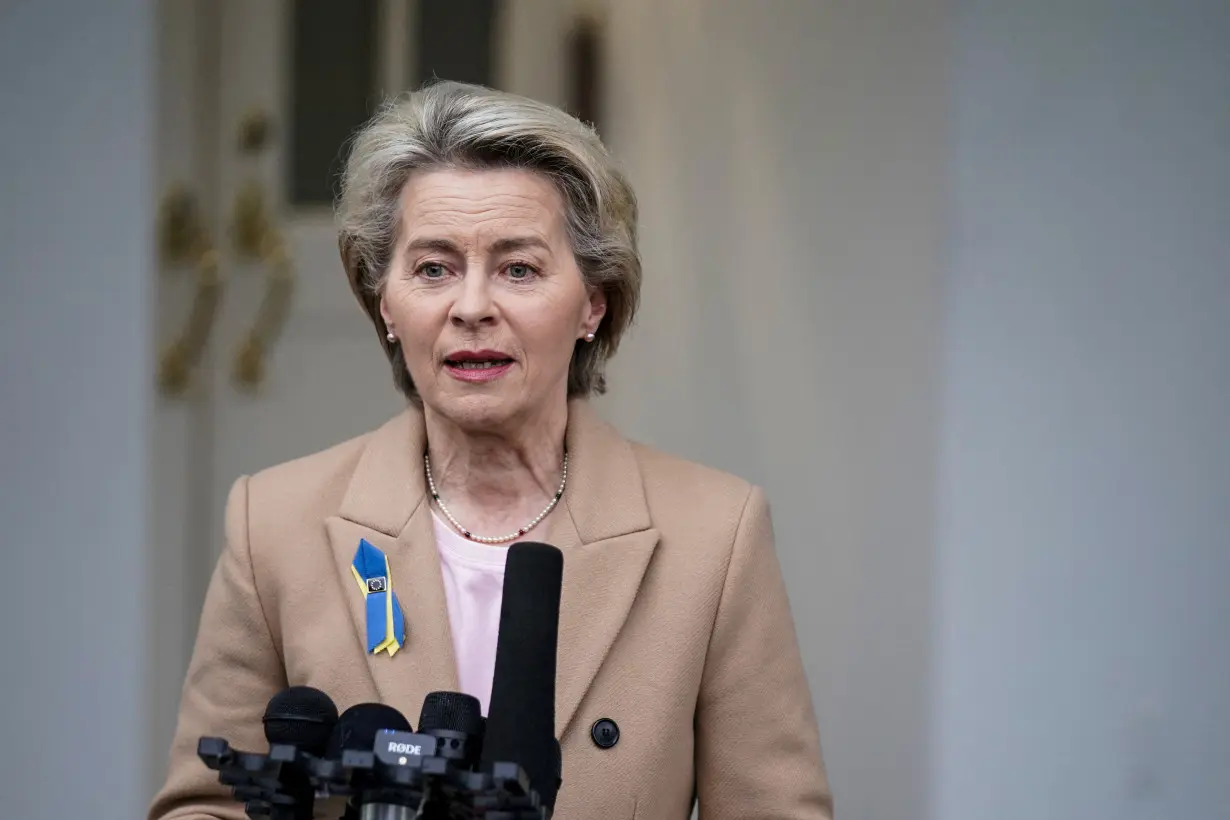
[
  {"x": 483, "y": 365},
  {"x": 480, "y": 366}
]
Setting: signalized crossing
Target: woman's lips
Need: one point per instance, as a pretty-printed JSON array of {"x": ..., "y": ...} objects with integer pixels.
[{"x": 477, "y": 370}]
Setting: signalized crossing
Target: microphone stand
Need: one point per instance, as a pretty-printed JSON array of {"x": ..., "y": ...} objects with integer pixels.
[{"x": 428, "y": 809}]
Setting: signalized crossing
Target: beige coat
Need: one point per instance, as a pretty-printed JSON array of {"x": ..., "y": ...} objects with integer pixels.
[{"x": 674, "y": 623}]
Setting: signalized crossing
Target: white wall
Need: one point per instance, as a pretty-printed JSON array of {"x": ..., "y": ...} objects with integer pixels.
[
  {"x": 1084, "y": 657},
  {"x": 1061, "y": 650},
  {"x": 791, "y": 170},
  {"x": 75, "y": 282}
]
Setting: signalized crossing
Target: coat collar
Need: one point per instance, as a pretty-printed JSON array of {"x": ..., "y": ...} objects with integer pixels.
[{"x": 602, "y": 526}]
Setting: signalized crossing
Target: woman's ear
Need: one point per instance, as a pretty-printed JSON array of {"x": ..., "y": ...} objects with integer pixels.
[
  {"x": 596, "y": 309},
  {"x": 384, "y": 313}
]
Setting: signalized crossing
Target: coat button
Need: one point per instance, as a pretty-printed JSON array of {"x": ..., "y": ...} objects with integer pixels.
[{"x": 605, "y": 733}]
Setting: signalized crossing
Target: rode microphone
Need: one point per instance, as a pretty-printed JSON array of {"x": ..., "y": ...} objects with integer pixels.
[
  {"x": 356, "y": 733},
  {"x": 358, "y": 726},
  {"x": 521, "y": 718}
]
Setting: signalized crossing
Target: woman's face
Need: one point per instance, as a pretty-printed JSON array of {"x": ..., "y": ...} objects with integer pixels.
[{"x": 485, "y": 296}]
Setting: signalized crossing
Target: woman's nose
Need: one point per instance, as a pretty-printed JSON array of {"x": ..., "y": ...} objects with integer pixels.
[{"x": 474, "y": 305}]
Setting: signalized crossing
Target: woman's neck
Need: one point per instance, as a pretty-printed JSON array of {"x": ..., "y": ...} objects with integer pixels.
[{"x": 495, "y": 482}]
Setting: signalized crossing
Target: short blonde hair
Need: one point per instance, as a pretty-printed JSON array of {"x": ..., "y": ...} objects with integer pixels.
[{"x": 449, "y": 125}]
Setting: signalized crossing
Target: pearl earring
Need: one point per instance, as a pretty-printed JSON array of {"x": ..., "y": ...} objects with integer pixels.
[
  {"x": 391, "y": 336},
  {"x": 589, "y": 337}
]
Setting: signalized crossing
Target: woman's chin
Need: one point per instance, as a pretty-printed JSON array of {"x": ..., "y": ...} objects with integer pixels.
[{"x": 478, "y": 410}]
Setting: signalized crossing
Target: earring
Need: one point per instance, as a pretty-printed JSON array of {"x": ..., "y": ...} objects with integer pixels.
[
  {"x": 589, "y": 337},
  {"x": 391, "y": 336}
]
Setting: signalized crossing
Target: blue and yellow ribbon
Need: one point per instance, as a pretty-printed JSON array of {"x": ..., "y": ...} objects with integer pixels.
[{"x": 386, "y": 625}]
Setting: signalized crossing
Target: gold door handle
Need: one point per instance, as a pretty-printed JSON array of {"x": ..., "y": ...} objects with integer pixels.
[
  {"x": 184, "y": 242},
  {"x": 256, "y": 238}
]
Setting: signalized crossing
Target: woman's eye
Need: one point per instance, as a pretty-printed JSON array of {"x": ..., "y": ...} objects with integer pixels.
[
  {"x": 519, "y": 271},
  {"x": 432, "y": 270}
]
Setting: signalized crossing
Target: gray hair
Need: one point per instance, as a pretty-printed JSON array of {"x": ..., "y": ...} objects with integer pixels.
[{"x": 448, "y": 125}]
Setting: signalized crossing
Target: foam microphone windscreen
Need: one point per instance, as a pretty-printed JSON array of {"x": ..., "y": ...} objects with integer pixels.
[
  {"x": 357, "y": 727},
  {"x": 456, "y": 721},
  {"x": 521, "y": 716},
  {"x": 453, "y": 712},
  {"x": 301, "y": 716}
]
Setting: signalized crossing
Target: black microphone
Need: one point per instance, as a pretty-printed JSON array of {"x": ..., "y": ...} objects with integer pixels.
[
  {"x": 456, "y": 721},
  {"x": 356, "y": 731},
  {"x": 358, "y": 726},
  {"x": 521, "y": 718},
  {"x": 301, "y": 717}
]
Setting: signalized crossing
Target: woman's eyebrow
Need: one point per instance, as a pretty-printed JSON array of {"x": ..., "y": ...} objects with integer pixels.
[{"x": 518, "y": 243}]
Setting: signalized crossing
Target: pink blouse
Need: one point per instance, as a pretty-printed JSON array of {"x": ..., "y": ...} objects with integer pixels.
[{"x": 474, "y": 587}]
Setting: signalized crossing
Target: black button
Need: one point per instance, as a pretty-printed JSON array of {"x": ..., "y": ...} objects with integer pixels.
[{"x": 605, "y": 733}]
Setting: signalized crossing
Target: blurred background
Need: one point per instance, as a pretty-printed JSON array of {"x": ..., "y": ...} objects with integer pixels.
[{"x": 950, "y": 278}]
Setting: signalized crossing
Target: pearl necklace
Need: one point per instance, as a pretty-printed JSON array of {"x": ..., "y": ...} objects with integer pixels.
[{"x": 431, "y": 484}]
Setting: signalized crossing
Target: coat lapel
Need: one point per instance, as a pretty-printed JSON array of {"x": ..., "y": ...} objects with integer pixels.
[
  {"x": 605, "y": 534},
  {"x": 386, "y": 504}
]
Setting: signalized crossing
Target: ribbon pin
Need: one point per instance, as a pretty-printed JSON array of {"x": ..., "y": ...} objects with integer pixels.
[{"x": 386, "y": 625}]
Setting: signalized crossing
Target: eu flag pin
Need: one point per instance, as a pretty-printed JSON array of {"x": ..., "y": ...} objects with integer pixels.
[{"x": 386, "y": 624}]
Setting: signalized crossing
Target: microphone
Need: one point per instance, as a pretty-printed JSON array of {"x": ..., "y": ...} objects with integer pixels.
[
  {"x": 301, "y": 717},
  {"x": 358, "y": 726},
  {"x": 297, "y": 723},
  {"x": 456, "y": 721},
  {"x": 386, "y": 770},
  {"x": 356, "y": 732},
  {"x": 521, "y": 718}
]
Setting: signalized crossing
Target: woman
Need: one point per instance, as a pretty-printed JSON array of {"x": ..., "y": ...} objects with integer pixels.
[{"x": 493, "y": 244}]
